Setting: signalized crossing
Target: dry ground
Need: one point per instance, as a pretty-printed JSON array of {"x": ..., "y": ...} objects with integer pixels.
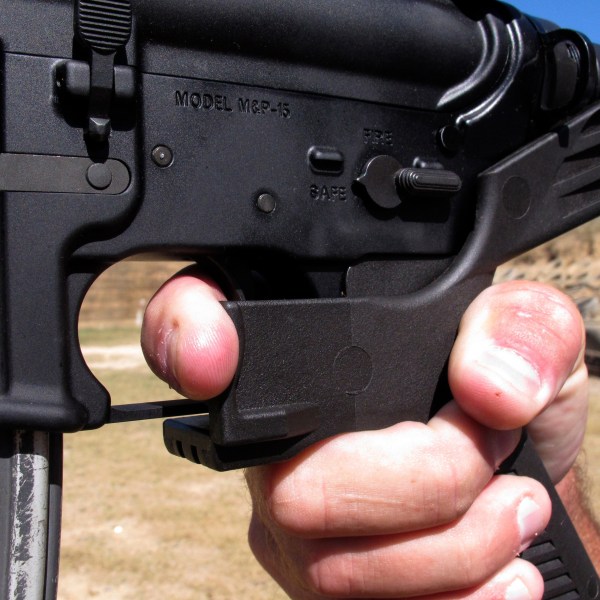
[{"x": 140, "y": 523}]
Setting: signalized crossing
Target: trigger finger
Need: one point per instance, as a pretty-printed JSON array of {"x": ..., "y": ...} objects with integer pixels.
[{"x": 188, "y": 339}]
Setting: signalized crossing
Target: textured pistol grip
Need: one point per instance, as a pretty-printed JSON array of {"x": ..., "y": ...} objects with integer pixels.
[{"x": 558, "y": 553}]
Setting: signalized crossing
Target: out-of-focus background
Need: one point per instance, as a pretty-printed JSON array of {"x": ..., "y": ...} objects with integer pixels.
[
  {"x": 581, "y": 15},
  {"x": 140, "y": 523}
]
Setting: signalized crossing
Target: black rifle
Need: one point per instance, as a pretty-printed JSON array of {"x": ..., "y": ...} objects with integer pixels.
[{"x": 352, "y": 171}]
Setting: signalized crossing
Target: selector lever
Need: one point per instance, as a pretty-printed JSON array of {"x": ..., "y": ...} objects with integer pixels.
[
  {"x": 428, "y": 182},
  {"x": 387, "y": 184},
  {"x": 378, "y": 180}
]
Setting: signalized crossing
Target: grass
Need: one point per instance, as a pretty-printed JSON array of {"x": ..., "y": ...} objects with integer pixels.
[{"x": 140, "y": 523}]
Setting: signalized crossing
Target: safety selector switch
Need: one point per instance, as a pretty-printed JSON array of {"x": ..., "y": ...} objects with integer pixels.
[
  {"x": 326, "y": 160},
  {"x": 387, "y": 184}
]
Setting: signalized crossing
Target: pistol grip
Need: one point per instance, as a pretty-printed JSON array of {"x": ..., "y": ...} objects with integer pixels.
[{"x": 558, "y": 553}]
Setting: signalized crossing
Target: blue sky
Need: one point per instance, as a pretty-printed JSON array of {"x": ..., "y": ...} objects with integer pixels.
[{"x": 582, "y": 15}]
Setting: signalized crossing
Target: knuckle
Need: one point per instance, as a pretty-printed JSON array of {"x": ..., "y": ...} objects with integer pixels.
[
  {"x": 298, "y": 509},
  {"x": 451, "y": 492},
  {"x": 337, "y": 576},
  {"x": 264, "y": 546},
  {"x": 474, "y": 567},
  {"x": 258, "y": 539},
  {"x": 532, "y": 304}
]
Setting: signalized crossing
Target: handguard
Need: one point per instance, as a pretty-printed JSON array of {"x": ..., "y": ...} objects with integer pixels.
[{"x": 352, "y": 173}]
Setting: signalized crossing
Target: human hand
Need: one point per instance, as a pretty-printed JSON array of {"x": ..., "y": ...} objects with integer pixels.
[{"x": 413, "y": 510}]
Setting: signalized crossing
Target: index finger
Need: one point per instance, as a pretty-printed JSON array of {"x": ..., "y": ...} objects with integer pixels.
[{"x": 187, "y": 337}]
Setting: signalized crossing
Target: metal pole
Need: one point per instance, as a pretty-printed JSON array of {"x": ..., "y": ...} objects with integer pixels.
[{"x": 30, "y": 476}]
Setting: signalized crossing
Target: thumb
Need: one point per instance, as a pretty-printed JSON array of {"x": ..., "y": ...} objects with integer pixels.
[
  {"x": 518, "y": 360},
  {"x": 188, "y": 339}
]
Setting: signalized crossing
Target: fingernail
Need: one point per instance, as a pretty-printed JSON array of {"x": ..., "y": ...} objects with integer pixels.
[
  {"x": 513, "y": 369},
  {"x": 504, "y": 444},
  {"x": 168, "y": 353},
  {"x": 531, "y": 522},
  {"x": 517, "y": 590}
]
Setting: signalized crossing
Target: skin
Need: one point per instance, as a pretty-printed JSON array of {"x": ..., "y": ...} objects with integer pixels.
[{"x": 414, "y": 510}]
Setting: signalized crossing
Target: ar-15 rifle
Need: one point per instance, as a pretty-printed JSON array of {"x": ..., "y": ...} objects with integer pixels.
[{"x": 358, "y": 170}]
